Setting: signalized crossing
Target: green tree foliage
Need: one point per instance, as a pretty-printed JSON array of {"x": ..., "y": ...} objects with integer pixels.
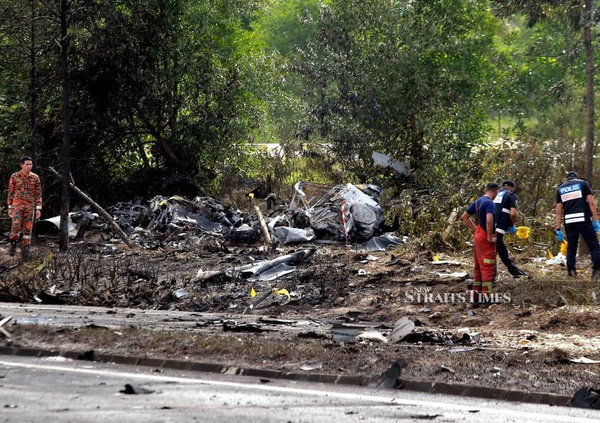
[
  {"x": 578, "y": 16},
  {"x": 406, "y": 78},
  {"x": 158, "y": 87}
]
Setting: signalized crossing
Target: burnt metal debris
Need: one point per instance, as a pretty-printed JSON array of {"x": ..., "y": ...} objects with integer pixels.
[{"x": 343, "y": 213}]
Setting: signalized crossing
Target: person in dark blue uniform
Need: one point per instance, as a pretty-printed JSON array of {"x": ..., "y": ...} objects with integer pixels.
[
  {"x": 505, "y": 218},
  {"x": 575, "y": 200}
]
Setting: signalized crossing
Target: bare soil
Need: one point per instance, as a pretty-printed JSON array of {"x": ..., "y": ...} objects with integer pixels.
[{"x": 524, "y": 343}]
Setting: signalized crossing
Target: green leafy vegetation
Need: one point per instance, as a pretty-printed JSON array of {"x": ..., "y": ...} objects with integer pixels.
[{"x": 464, "y": 91}]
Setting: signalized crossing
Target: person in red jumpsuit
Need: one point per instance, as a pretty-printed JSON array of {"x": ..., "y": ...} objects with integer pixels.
[
  {"x": 484, "y": 242},
  {"x": 24, "y": 200}
]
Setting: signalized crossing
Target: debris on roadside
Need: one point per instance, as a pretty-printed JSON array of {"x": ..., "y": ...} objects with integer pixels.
[
  {"x": 390, "y": 379},
  {"x": 345, "y": 332},
  {"x": 58, "y": 359},
  {"x": 136, "y": 390},
  {"x": 344, "y": 212},
  {"x": 311, "y": 366},
  {"x": 182, "y": 294},
  {"x": 384, "y": 161},
  {"x": 2, "y": 330},
  {"x": 586, "y": 398},
  {"x": 454, "y": 275},
  {"x": 50, "y": 296},
  {"x": 429, "y": 337},
  {"x": 382, "y": 243},
  {"x": 444, "y": 369},
  {"x": 402, "y": 328},
  {"x": 463, "y": 349},
  {"x": 372, "y": 336},
  {"x": 233, "y": 326},
  {"x": 583, "y": 360}
]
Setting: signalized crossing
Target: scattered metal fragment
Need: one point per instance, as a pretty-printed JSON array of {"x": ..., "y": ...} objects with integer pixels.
[
  {"x": 343, "y": 332},
  {"x": 463, "y": 349},
  {"x": 372, "y": 336},
  {"x": 2, "y": 323},
  {"x": 384, "y": 161},
  {"x": 286, "y": 235},
  {"x": 390, "y": 379},
  {"x": 312, "y": 366},
  {"x": 233, "y": 326},
  {"x": 58, "y": 359},
  {"x": 381, "y": 243},
  {"x": 256, "y": 269},
  {"x": 182, "y": 294},
  {"x": 586, "y": 398},
  {"x": 446, "y": 262},
  {"x": 402, "y": 328},
  {"x": 272, "y": 321},
  {"x": 273, "y": 273},
  {"x": 136, "y": 390},
  {"x": 454, "y": 275},
  {"x": 583, "y": 360},
  {"x": 446, "y": 369}
]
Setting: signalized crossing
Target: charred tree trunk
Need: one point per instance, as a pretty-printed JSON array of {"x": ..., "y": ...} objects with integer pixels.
[
  {"x": 66, "y": 148},
  {"x": 589, "y": 79}
]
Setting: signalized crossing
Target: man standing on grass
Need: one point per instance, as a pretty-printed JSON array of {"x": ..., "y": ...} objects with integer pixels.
[
  {"x": 484, "y": 241},
  {"x": 575, "y": 199},
  {"x": 24, "y": 200}
]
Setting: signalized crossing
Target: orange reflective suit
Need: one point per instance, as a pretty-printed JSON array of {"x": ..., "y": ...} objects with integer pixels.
[
  {"x": 484, "y": 253},
  {"x": 24, "y": 198}
]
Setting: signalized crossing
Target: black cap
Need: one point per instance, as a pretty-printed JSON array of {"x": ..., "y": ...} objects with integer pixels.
[
  {"x": 572, "y": 174},
  {"x": 509, "y": 183}
]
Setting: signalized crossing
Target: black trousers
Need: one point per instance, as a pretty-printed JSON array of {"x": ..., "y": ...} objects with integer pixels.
[
  {"x": 503, "y": 254},
  {"x": 586, "y": 230}
]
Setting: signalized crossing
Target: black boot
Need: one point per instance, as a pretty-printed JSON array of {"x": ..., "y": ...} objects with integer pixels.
[
  {"x": 517, "y": 273},
  {"x": 25, "y": 253},
  {"x": 13, "y": 248}
]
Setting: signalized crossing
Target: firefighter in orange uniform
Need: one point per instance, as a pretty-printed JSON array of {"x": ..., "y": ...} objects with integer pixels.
[
  {"x": 484, "y": 243},
  {"x": 24, "y": 200}
]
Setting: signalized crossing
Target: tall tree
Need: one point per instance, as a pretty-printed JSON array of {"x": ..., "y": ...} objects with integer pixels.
[
  {"x": 406, "y": 78},
  {"x": 65, "y": 17},
  {"x": 578, "y": 14}
]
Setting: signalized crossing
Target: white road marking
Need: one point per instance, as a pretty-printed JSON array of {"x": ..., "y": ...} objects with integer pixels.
[{"x": 389, "y": 400}]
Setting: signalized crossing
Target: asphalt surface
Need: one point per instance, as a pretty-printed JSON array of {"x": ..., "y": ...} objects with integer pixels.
[
  {"x": 159, "y": 320},
  {"x": 42, "y": 390}
]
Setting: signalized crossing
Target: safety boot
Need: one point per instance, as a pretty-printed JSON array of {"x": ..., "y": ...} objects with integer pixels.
[
  {"x": 25, "y": 253},
  {"x": 596, "y": 275},
  {"x": 572, "y": 273},
  {"x": 13, "y": 248},
  {"x": 517, "y": 273}
]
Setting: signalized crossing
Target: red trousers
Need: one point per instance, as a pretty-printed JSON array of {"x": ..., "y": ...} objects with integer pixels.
[
  {"x": 484, "y": 253},
  {"x": 22, "y": 221}
]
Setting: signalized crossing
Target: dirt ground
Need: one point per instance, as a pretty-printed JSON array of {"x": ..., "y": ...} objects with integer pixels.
[{"x": 523, "y": 343}]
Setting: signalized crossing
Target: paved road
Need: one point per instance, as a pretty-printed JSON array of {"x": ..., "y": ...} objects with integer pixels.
[
  {"x": 161, "y": 320},
  {"x": 41, "y": 390}
]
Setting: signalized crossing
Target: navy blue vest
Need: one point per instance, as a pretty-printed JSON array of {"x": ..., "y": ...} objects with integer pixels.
[{"x": 572, "y": 194}]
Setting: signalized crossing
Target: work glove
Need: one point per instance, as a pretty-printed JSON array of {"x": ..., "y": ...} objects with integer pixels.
[
  {"x": 596, "y": 225},
  {"x": 559, "y": 235},
  {"x": 512, "y": 230}
]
